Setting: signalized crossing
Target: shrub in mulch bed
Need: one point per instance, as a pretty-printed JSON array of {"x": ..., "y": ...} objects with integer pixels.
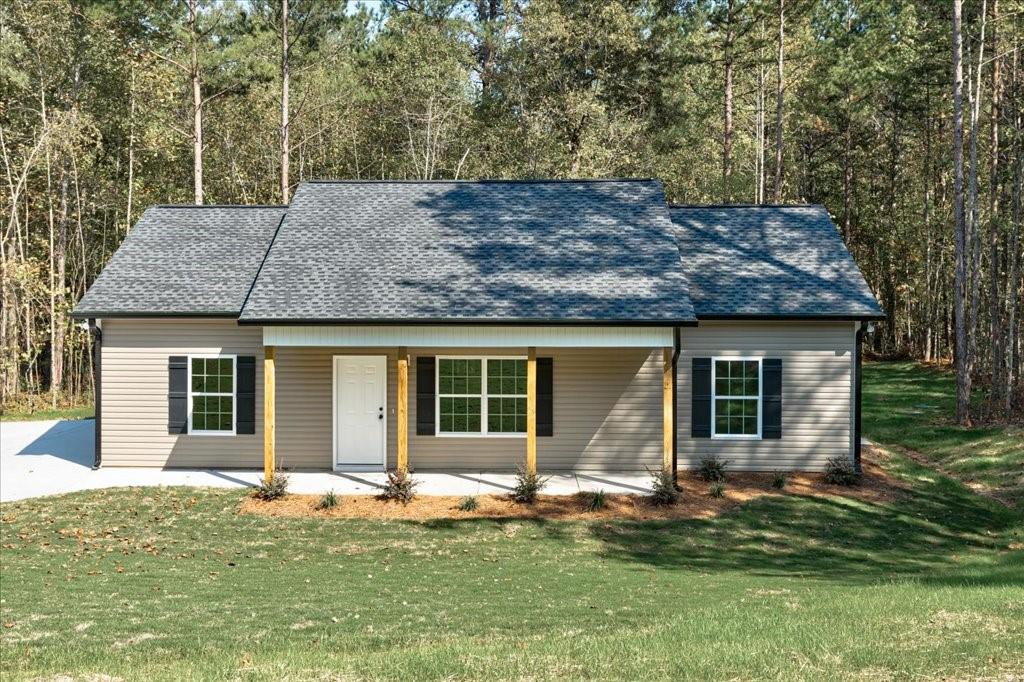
[
  {"x": 528, "y": 485},
  {"x": 273, "y": 488},
  {"x": 663, "y": 488},
  {"x": 401, "y": 487},
  {"x": 840, "y": 471},
  {"x": 712, "y": 469}
]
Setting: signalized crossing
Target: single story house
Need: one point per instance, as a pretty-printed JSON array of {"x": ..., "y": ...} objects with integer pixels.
[{"x": 579, "y": 325}]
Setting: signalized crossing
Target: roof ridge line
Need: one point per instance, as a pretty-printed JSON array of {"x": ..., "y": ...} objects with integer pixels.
[
  {"x": 811, "y": 205},
  {"x": 480, "y": 181},
  {"x": 219, "y": 206}
]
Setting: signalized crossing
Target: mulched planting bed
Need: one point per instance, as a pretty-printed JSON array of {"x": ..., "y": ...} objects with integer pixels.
[{"x": 696, "y": 502}]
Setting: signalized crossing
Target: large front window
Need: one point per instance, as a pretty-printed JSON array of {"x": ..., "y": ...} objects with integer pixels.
[
  {"x": 736, "y": 403},
  {"x": 212, "y": 394},
  {"x": 481, "y": 396}
]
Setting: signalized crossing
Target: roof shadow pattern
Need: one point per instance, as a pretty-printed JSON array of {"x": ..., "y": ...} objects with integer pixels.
[
  {"x": 580, "y": 251},
  {"x": 769, "y": 261}
]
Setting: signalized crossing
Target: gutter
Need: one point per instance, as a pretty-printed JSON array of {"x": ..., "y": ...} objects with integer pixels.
[
  {"x": 97, "y": 361},
  {"x": 676, "y": 347}
]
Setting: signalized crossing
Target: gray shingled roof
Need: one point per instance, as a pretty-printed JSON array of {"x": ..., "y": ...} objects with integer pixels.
[
  {"x": 184, "y": 260},
  {"x": 493, "y": 251},
  {"x": 769, "y": 261}
]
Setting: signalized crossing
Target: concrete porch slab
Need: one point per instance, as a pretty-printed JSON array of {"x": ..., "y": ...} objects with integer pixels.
[{"x": 54, "y": 457}]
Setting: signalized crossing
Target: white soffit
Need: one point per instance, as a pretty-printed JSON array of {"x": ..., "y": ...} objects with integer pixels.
[{"x": 469, "y": 336}]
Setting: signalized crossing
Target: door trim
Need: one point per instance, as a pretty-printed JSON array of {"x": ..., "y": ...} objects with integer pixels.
[{"x": 335, "y": 464}]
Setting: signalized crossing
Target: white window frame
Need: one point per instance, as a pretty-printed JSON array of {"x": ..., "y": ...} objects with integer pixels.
[
  {"x": 233, "y": 394},
  {"x": 483, "y": 432},
  {"x": 715, "y": 397}
]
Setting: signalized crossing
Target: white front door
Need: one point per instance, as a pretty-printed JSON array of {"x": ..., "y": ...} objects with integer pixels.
[{"x": 360, "y": 410}]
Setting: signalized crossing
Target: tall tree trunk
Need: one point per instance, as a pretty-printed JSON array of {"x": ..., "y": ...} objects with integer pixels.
[
  {"x": 131, "y": 154},
  {"x": 728, "y": 127},
  {"x": 994, "y": 312},
  {"x": 779, "y": 102},
  {"x": 1013, "y": 286},
  {"x": 285, "y": 48},
  {"x": 197, "y": 105},
  {"x": 760, "y": 119},
  {"x": 963, "y": 376},
  {"x": 487, "y": 15},
  {"x": 974, "y": 228}
]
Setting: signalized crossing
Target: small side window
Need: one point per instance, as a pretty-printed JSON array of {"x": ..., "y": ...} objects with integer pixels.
[
  {"x": 736, "y": 398},
  {"x": 212, "y": 395}
]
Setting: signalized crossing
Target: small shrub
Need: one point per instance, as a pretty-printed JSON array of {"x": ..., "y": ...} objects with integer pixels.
[
  {"x": 779, "y": 480},
  {"x": 468, "y": 503},
  {"x": 328, "y": 501},
  {"x": 663, "y": 488},
  {"x": 712, "y": 468},
  {"x": 528, "y": 484},
  {"x": 840, "y": 471},
  {"x": 595, "y": 501},
  {"x": 273, "y": 488},
  {"x": 717, "y": 489},
  {"x": 401, "y": 487}
]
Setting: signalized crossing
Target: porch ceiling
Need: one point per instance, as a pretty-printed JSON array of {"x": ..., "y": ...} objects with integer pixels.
[{"x": 487, "y": 336}]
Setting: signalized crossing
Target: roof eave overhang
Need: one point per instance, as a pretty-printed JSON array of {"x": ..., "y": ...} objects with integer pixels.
[
  {"x": 513, "y": 322},
  {"x": 790, "y": 317},
  {"x": 134, "y": 314}
]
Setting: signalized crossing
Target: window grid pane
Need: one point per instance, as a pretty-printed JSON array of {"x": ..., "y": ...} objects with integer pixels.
[
  {"x": 460, "y": 415},
  {"x": 506, "y": 415},
  {"x": 506, "y": 377},
  {"x": 739, "y": 378},
  {"x": 459, "y": 377},
  {"x": 736, "y": 416}
]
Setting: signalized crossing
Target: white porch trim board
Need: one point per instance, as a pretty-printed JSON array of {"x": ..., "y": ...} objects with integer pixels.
[{"x": 468, "y": 336}]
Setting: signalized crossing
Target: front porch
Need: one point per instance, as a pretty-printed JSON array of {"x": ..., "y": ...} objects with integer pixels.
[{"x": 575, "y": 401}]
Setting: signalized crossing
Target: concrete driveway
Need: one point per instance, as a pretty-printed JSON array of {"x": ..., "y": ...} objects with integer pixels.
[{"x": 53, "y": 457}]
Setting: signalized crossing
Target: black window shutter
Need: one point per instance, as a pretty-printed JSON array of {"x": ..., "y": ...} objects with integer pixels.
[
  {"x": 425, "y": 396},
  {"x": 245, "y": 419},
  {"x": 545, "y": 397},
  {"x": 177, "y": 394},
  {"x": 771, "y": 394},
  {"x": 700, "y": 408}
]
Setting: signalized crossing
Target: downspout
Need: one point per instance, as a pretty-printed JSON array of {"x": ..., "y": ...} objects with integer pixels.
[
  {"x": 857, "y": 379},
  {"x": 676, "y": 346},
  {"x": 97, "y": 361}
]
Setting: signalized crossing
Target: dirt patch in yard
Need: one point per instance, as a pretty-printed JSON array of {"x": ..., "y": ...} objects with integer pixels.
[{"x": 877, "y": 486}]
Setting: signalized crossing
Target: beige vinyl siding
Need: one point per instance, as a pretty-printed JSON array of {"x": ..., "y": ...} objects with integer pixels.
[
  {"x": 817, "y": 364},
  {"x": 607, "y": 401},
  {"x": 607, "y": 416},
  {"x": 134, "y": 395}
]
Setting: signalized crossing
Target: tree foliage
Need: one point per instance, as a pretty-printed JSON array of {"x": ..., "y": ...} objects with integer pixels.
[{"x": 99, "y": 99}]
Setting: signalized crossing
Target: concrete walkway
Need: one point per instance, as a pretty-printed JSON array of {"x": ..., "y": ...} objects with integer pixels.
[{"x": 53, "y": 457}]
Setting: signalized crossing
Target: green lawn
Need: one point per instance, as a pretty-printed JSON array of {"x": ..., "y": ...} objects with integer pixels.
[
  {"x": 171, "y": 584},
  {"x": 911, "y": 406},
  {"x": 25, "y": 414}
]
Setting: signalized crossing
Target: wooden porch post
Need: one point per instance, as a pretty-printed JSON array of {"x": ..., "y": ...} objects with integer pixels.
[
  {"x": 667, "y": 392},
  {"x": 268, "y": 412},
  {"x": 402, "y": 426},
  {"x": 531, "y": 410}
]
